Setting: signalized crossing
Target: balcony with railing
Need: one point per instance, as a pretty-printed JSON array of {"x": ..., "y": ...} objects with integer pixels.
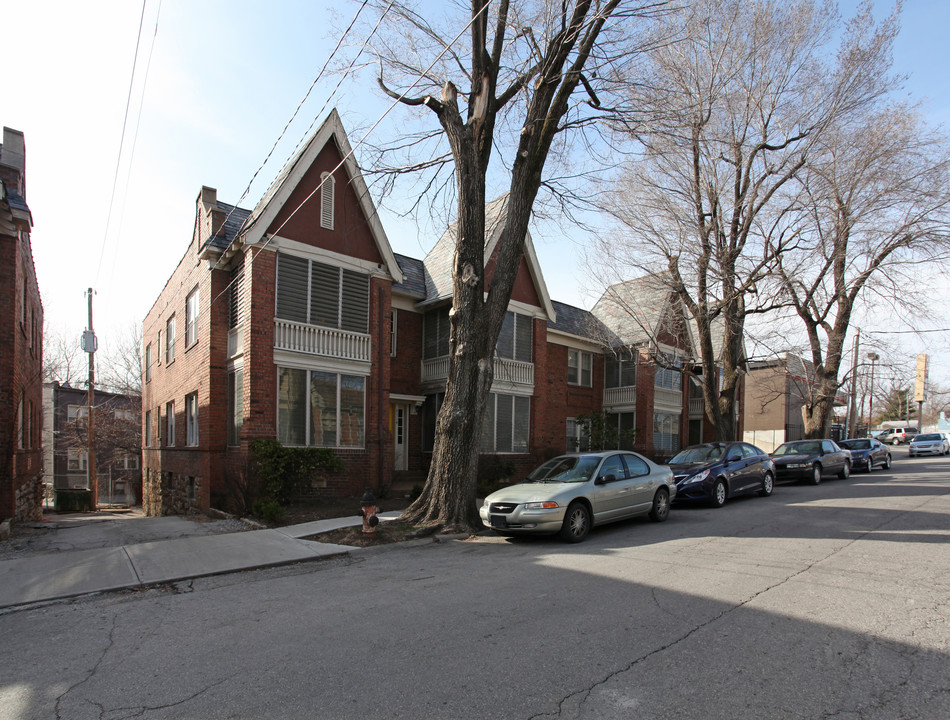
[
  {"x": 515, "y": 372},
  {"x": 697, "y": 406},
  {"x": 322, "y": 341},
  {"x": 668, "y": 399},
  {"x": 617, "y": 396}
]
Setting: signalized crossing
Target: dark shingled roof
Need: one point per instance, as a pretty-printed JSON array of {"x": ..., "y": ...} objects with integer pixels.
[
  {"x": 575, "y": 321},
  {"x": 234, "y": 219},
  {"x": 16, "y": 201},
  {"x": 413, "y": 275},
  {"x": 634, "y": 309}
]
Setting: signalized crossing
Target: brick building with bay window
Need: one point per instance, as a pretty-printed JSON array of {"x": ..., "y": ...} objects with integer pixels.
[{"x": 297, "y": 321}]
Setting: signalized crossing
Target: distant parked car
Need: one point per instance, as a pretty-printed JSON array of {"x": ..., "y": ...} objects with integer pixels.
[
  {"x": 571, "y": 493},
  {"x": 896, "y": 436},
  {"x": 866, "y": 453},
  {"x": 811, "y": 460},
  {"x": 929, "y": 444},
  {"x": 714, "y": 472}
]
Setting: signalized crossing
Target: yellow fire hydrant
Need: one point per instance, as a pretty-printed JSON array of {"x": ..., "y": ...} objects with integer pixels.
[{"x": 368, "y": 510}]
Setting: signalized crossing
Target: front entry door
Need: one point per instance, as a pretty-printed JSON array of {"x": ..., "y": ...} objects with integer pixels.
[{"x": 400, "y": 436}]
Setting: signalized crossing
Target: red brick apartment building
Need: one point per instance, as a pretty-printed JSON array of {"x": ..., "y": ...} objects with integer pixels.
[
  {"x": 297, "y": 321},
  {"x": 21, "y": 343}
]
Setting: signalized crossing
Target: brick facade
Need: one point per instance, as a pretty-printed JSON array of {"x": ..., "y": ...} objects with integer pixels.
[
  {"x": 273, "y": 349},
  {"x": 21, "y": 344}
]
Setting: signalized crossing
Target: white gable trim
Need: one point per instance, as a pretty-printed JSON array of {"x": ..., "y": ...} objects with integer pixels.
[{"x": 279, "y": 193}]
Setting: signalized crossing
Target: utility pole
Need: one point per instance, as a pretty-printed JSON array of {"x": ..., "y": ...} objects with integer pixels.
[
  {"x": 89, "y": 346},
  {"x": 852, "y": 413}
]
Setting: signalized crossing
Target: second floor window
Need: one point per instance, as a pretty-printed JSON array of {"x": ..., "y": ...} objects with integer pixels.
[
  {"x": 619, "y": 372},
  {"x": 668, "y": 374},
  {"x": 515, "y": 338},
  {"x": 76, "y": 460},
  {"x": 579, "y": 366},
  {"x": 148, "y": 362},
  {"x": 170, "y": 341},
  {"x": 191, "y": 318},
  {"x": 435, "y": 340},
  {"x": 318, "y": 294}
]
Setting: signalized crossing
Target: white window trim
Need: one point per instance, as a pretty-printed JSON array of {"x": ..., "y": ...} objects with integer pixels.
[
  {"x": 191, "y": 317},
  {"x": 170, "y": 423},
  {"x": 307, "y": 416},
  {"x": 192, "y": 438},
  {"x": 580, "y": 354}
]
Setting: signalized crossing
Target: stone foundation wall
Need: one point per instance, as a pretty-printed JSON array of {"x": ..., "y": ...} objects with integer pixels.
[
  {"x": 170, "y": 494},
  {"x": 29, "y": 501}
]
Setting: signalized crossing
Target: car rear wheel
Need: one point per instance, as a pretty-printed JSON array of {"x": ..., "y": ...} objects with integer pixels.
[
  {"x": 719, "y": 493},
  {"x": 661, "y": 505},
  {"x": 815, "y": 474},
  {"x": 887, "y": 462},
  {"x": 845, "y": 471},
  {"x": 868, "y": 465},
  {"x": 576, "y": 523},
  {"x": 768, "y": 484}
]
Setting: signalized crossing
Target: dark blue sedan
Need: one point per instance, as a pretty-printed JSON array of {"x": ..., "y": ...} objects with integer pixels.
[
  {"x": 714, "y": 472},
  {"x": 866, "y": 453}
]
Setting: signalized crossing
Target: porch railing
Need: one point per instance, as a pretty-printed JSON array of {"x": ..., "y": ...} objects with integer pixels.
[{"x": 323, "y": 341}]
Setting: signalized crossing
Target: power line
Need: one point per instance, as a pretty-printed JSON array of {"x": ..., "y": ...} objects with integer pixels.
[{"x": 118, "y": 160}]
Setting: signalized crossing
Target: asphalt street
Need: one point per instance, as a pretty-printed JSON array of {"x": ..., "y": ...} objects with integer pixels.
[{"x": 829, "y": 601}]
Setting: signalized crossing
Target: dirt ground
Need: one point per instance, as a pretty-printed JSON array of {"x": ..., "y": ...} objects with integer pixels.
[{"x": 327, "y": 508}]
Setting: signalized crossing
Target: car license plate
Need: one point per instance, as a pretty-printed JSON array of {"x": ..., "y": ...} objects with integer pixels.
[{"x": 498, "y": 521}]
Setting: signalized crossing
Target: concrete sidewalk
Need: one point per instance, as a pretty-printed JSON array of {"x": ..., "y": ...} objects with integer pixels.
[{"x": 41, "y": 577}]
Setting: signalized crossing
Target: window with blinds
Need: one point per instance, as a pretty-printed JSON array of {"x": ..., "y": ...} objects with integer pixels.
[
  {"x": 318, "y": 294},
  {"x": 435, "y": 334},
  {"x": 506, "y": 425},
  {"x": 619, "y": 372},
  {"x": 516, "y": 337}
]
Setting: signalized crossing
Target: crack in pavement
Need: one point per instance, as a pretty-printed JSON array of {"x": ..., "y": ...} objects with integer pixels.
[{"x": 91, "y": 674}]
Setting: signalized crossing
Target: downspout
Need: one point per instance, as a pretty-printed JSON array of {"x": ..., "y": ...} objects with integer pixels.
[{"x": 379, "y": 417}]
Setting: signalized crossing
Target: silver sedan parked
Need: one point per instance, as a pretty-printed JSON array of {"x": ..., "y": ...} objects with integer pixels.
[
  {"x": 570, "y": 494},
  {"x": 929, "y": 444}
]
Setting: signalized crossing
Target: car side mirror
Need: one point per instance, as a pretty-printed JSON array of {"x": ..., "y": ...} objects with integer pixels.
[{"x": 604, "y": 479}]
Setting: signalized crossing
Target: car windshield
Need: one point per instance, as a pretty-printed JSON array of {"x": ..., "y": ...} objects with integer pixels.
[
  {"x": 700, "y": 454},
  {"x": 571, "y": 468},
  {"x": 928, "y": 436},
  {"x": 855, "y": 444},
  {"x": 798, "y": 448}
]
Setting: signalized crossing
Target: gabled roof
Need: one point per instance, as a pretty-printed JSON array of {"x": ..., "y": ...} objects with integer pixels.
[
  {"x": 413, "y": 277},
  {"x": 582, "y": 323},
  {"x": 273, "y": 201},
  {"x": 438, "y": 263},
  {"x": 634, "y": 310},
  {"x": 235, "y": 217}
]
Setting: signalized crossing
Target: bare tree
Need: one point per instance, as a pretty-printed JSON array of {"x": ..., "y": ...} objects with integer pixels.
[
  {"x": 530, "y": 71},
  {"x": 874, "y": 212},
  {"x": 63, "y": 359},
  {"x": 119, "y": 364},
  {"x": 740, "y": 101}
]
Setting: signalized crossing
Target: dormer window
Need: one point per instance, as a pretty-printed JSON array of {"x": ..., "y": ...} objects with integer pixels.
[{"x": 326, "y": 201}]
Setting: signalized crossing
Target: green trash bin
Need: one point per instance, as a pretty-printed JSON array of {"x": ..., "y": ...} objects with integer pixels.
[{"x": 73, "y": 500}]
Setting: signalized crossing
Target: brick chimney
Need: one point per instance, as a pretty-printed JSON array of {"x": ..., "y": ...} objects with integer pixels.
[
  {"x": 13, "y": 161},
  {"x": 210, "y": 216}
]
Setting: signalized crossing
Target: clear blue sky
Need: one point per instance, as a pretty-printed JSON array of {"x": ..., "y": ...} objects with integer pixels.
[{"x": 223, "y": 78}]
